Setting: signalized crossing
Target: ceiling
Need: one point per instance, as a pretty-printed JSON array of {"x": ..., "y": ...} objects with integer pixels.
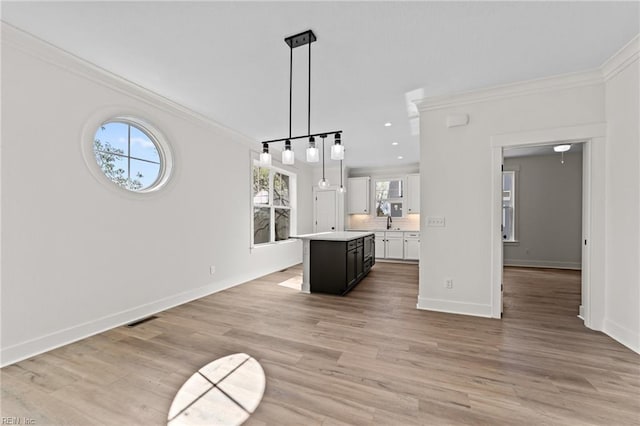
[{"x": 228, "y": 60}]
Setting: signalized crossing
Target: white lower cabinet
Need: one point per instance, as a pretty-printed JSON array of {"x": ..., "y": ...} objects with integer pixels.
[
  {"x": 412, "y": 245},
  {"x": 398, "y": 245},
  {"x": 394, "y": 245}
]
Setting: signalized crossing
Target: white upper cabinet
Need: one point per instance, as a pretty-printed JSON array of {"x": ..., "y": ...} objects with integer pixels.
[
  {"x": 358, "y": 195},
  {"x": 413, "y": 193}
]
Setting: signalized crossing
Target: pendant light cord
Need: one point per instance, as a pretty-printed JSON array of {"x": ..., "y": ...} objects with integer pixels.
[
  {"x": 309, "y": 96},
  {"x": 290, "y": 85},
  {"x": 323, "y": 137}
]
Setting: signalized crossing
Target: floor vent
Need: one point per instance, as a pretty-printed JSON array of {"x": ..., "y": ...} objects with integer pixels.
[{"x": 141, "y": 321}]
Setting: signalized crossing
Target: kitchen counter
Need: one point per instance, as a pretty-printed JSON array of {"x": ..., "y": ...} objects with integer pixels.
[
  {"x": 335, "y": 262},
  {"x": 383, "y": 230},
  {"x": 334, "y": 236}
]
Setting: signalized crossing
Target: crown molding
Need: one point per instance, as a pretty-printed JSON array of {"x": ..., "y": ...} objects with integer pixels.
[
  {"x": 522, "y": 88},
  {"x": 624, "y": 57},
  {"x": 44, "y": 51}
]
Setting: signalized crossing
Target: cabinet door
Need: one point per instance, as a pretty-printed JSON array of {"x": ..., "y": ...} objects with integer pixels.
[
  {"x": 358, "y": 195},
  {"x": 380, "y": 245},
  {"x": 394, "y": 248},
  {"x": 412, "y": 249},
  {"x": 352, "y": 274},
  {"x": 360, "y": 262},
  {"x": 413, "y": 193}
]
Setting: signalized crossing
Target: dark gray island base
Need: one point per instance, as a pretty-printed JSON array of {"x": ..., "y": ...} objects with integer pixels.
[{"x": 335, "y": 262}]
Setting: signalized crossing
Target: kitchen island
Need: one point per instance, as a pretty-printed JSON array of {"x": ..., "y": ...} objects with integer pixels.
[{"x": 335, "y": 262}]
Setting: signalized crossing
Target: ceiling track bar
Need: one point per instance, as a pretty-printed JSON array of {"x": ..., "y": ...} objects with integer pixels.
[{"x": 323, "y": 134}]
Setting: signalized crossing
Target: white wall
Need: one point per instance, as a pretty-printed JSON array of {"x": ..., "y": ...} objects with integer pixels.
[
  {"x": 548, "y": 211},
  {"x": 456, "y": 182},
  {"x": 622, "y": 102},
  {"x": 461, "y": 190},
  {"x": 79, "y": 256}
]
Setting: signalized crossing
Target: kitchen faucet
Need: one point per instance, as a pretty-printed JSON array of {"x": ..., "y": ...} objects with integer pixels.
[{"x": 389, "y": 221}]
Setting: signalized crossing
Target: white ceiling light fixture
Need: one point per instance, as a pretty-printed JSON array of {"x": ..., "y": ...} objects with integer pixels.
[
  {"x": 312, "y": 154},
  {"x": 394, "y": 143},
  {"x": 562, "y": 149},
  {"x": 387, "y": 124},
  {"x": 400, "y": 157}
]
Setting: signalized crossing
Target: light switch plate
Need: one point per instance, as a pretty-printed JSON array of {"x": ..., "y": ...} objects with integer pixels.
[{"x": 435, "y": 221}]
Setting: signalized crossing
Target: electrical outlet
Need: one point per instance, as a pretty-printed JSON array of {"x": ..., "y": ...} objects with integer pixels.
[
  {"x": 448, "y": 283},
  {"x": 212, "y": 269},
  {"x": 435, "y": 221}
]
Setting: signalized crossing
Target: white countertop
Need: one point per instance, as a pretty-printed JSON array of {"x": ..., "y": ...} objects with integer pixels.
[
  {"x": 384, "y": 230},
  {"x": 334, "y": 236}
]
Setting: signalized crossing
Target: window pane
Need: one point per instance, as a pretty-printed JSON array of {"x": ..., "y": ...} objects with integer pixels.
[
  {"x": 142, "y": 147},
  {"x": 508, "y": 206},
  {"x": 280, "y": 190},
  {"x": 112, "y": 137},
  {"x": 382, "y": 190},
  {"x": 282, "y": 224},
  {"x": 383, "y": 208},
  {"x": 143, "y": 174},
  {"x": 260, "y": 185},
  {"x": 395, "y": 189},
  {"x": 115, "y": 167},
  {"x": 396, "y": 209},
  {"x": 261, "y": 225}
]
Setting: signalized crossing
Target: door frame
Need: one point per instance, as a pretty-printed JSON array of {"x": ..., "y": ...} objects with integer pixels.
[
  {"x": 339, "y": 207},
  {"x": 592, "y": 135}
]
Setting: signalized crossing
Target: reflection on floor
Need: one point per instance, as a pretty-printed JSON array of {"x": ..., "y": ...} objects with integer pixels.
[{"x": 224, "y": 392}]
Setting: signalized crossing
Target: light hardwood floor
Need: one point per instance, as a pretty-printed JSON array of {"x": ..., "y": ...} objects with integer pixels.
[{"x": 368, "y": 358}]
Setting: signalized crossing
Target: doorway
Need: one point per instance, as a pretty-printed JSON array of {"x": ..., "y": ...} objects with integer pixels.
[
  {"x": 594, "y": 153},
  {"x": 542, "y": 213},
  {"x": 325, "y": 210}
]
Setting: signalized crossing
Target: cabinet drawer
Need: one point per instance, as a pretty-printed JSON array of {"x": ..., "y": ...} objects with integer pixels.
[
  {"x": 412, "y": 235},
  {"x": 393, "y": 234},
  {"x": 367, "y": 264},
  {"x": 360, "y": 242},
  {"x": 351, "y": 244}
]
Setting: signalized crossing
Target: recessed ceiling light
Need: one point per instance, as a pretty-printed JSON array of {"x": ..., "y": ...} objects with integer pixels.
[
  {"x": 394, "y": 143},
  {"x": 400, "y": 157},
  {"x": 387, "y": 124}
]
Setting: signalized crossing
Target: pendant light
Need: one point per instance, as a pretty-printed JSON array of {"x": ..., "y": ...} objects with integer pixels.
[
  {"x": 265, "y": 157},
  {"x": 287, "y": 155},
  {"x": 337, "y": 150},
  {"x": 312, "y": 151},
  {"x": 313, "y": 156},
  {"x": 323, "y": 183}
]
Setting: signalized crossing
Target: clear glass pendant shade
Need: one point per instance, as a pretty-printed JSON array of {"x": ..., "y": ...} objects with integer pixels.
[
  {"x": 288, "y": 157},
  {"x": 313, "y": 155},
  {"x": 337, "y": 152},
  {"x": 323, "y": 184},
  {"x": 265, "y": 159}
]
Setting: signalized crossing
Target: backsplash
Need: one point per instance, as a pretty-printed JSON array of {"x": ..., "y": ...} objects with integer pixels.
[{"x": 367, "y": 222}]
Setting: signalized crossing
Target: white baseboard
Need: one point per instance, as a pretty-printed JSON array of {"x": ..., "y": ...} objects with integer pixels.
[
  {"x": 542, "y": 264},
  {"x": 622, "y": 334},
  {"x": 453, "y": 307},
  {"x": 29, "y": 348},
  {"x": 581, "y": 313}
]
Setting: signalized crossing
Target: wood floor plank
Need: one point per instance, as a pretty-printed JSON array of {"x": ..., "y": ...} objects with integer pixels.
[{"x": 368, "y": 358}]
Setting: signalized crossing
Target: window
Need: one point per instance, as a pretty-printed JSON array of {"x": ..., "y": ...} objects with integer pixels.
[
  {"x": 129, "y": 155},
  {"x": 508, "y": 206},
  {"x": 389, "y": 195},
  {"x": 273, "y": 204}
]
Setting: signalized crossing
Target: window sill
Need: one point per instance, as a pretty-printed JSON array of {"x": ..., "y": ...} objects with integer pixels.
[{"x": 277, "y": 243}]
